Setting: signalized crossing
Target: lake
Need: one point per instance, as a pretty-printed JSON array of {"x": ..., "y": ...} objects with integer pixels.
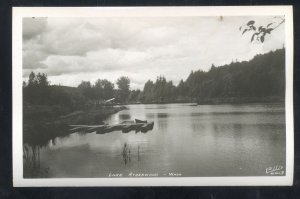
[{"x": 186, "y": 140}]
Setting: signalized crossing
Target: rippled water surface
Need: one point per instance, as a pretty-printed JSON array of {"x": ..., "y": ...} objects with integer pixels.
[{"x": 204, "y": 140}]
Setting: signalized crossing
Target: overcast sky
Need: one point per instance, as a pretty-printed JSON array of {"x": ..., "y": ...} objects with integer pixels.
[{"x": 70, "y": 50}]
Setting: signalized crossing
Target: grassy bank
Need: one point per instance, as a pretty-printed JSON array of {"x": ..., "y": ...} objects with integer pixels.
[{"x": 43, "y": 123}]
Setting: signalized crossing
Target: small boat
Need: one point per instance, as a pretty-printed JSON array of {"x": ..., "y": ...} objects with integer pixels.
[
  {"x": 111, "y": 128},
  {"x": 151, "y": 124},
  {"x": 100, "y": 131},
  {"x": 128, "y": 122},
  {"x": 144, "y": 128},
  {"x": 138, "y": 130},
  {"x": 95, "y": 128},
  {"x": 147, "y": 127},
  {"x": 140, "y": 121},
  {"x": 92, "y": 129},
  {"x": 76, "y": 129},
  {"x": 127, "y": 128}
]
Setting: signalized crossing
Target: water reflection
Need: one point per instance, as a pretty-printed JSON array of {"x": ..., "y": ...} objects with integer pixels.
[
  {"x": 39, "y": 134},
  {"x": 157, "y": 107},
  {"x": 183, "y": 140},
  {"x": 126, "y": 153},
  {"x": 139, "y": 158},
  {"x": 129, "y": 155},
  {"x": 32, "y": 163},
  {"x": 32, "y": 147},
  {"x": 197, "y": 127},
  {"x": 162, "y": 115},
  {"x": 124, "y": 116},
  {"x": 150, "y": 115},
  {"x": 162, "y": 125}
]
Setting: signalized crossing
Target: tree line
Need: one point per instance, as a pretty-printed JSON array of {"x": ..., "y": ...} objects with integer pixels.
[
  {"x": 263, "y": 76},
  {"x": 38, "y": 91}
]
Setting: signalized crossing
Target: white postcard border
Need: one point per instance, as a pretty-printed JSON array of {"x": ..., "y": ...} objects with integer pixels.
[{"x": 19, "y": 13}]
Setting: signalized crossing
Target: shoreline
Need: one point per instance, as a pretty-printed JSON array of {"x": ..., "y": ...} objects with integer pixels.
[
  {"x": 41, "y": 125},
  {"x": 222, "y": 101},
  {"x": 38, "y": 131}
]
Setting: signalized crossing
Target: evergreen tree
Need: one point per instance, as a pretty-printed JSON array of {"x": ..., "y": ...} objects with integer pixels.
[{"x": 123, "y": 88}]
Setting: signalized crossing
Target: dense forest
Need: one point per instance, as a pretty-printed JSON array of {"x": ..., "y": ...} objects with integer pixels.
[
  {"x": 255, "y": 80},
  {"x": 260, "y": 78}
]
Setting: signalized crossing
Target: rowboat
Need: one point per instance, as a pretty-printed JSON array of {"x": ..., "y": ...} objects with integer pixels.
[
  {"x": 147, "y": 127},
  {"x": 125, "y": 127},
  {"x": 140, "y": 121}
]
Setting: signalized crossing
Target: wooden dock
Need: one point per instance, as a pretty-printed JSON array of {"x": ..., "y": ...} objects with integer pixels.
[{"x": 125, "y": 127}]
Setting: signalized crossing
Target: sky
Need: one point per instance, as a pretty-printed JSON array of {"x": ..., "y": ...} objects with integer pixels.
[{"x": 71, "y": 50}]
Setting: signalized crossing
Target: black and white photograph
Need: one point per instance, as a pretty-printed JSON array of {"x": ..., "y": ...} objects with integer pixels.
[{"x": 153, "y": 96}]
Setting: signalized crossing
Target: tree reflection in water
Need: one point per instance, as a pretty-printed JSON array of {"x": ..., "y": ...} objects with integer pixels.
[
  {"x": 127, "y": 155},
  {"x": 139, "y": 159},
  {"x": 37, "y": 136},
  {"x": 32, "y": 162}
]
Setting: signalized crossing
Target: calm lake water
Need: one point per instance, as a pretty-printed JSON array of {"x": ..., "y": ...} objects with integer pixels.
[{"x": 204, "y": 140}]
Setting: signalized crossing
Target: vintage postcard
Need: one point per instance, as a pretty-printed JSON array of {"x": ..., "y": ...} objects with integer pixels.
[{"x": 153, "y": 96}]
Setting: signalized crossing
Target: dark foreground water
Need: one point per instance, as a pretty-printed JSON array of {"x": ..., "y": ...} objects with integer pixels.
[{"x": 205, "y": 140}]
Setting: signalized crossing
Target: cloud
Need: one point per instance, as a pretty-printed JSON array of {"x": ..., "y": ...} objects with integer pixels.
[
  {"x": 33, "y": 27},
  {"x": 70, "y": 49}
]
